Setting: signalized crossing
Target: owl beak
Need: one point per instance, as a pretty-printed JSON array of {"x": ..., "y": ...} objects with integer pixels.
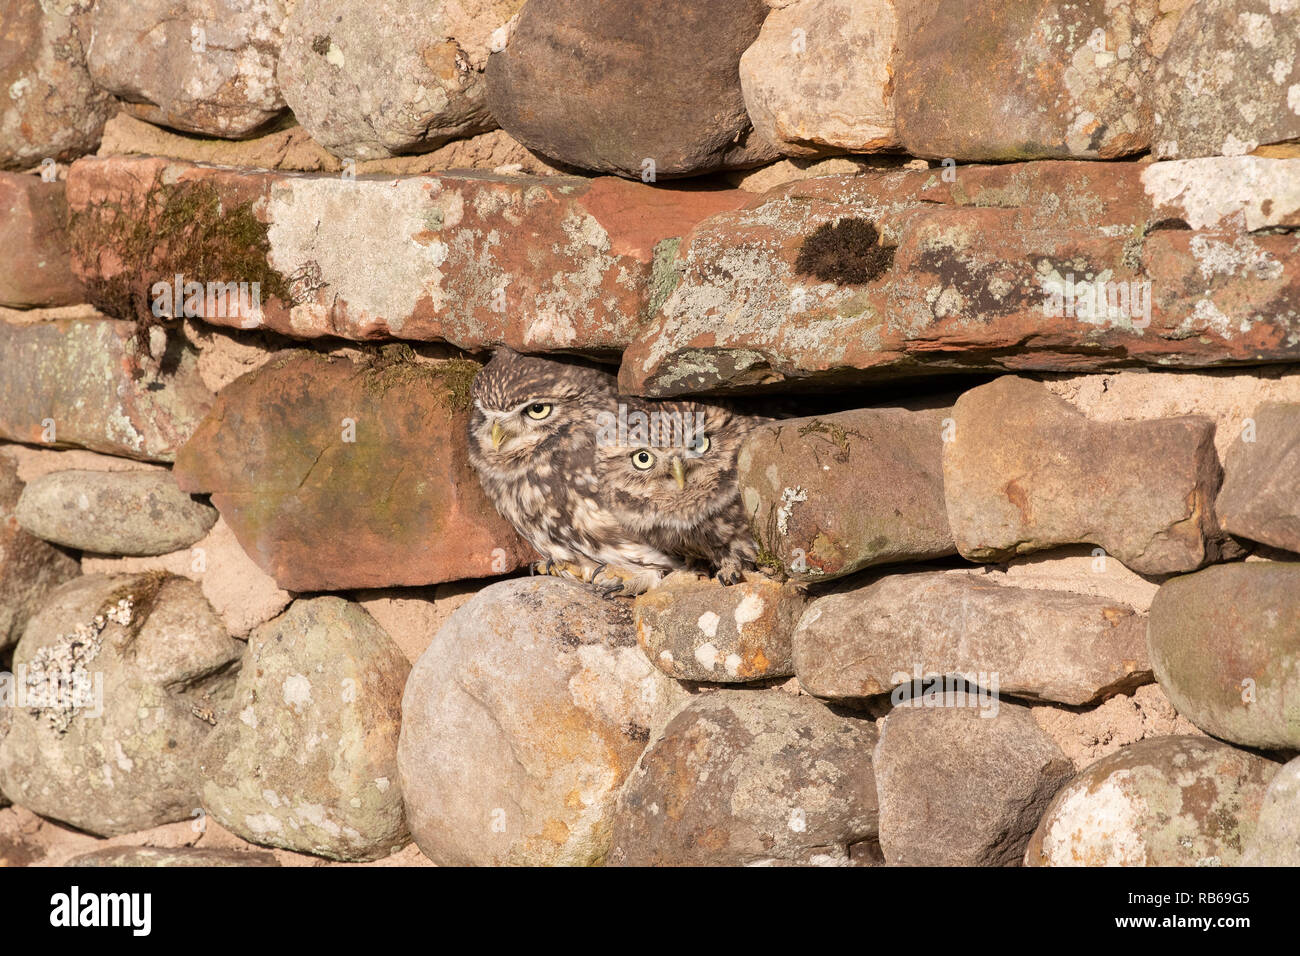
[
  {"x": 679, "y": 473},
  {"x": 498, "y": 436}
]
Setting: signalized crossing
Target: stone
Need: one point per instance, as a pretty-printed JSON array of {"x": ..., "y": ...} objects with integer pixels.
[
  {"x": 202, "y": 66},
  {"x": 743, "y": 778},
  {"x": 765, "y": 178},
  {"x": 961, "y": 787},
  {"x": 52, "y": 109},
  {"x": 477, "y": 259},
  {"x": 1276, "y": 840},
  {"x": 1170, "y": 801},
  {"x": 337, "y": 475},
  {"x": 307, "y": 757},
  {"x": 882, "y": 636},
  {"x": 84, "y": 383},
  {"x": 652, "y": 92},
  {"x": 1230, "y": 79},
  {"x": 33, "y": 229},
  {"x": 1253, "y": 192},
  {"x": 983, "y": 80},
  {"x": 830, "y": 495},
  {"x": 1079, "y": 569},
  {"x": 1026, "y": 471},
  {"x": 398, "y": 76},
  {"x": 520, "y": 723},
  {"x": 818, "y": 78},
  {"x": 29, "y": 567},
  {"x": 1225, "y": 646},
  {"x": 137, "y": 856},
  {"x": 904, "y": 273},
  {"x": 1085, "y": 736},
  {"x": 698, "y": 630},
  {"x": 1260, "y": 497},
  {"x": 123, "y": 512},
  {"x": 111, "y": 716}
]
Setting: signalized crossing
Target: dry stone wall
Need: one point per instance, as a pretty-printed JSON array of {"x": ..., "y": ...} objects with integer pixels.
[{"x": 1011, "y": 291}]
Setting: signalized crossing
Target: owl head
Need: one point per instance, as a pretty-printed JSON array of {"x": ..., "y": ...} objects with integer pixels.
[
  {"x": 522, "y": 405},
  {"x": 668, "y": 464}
]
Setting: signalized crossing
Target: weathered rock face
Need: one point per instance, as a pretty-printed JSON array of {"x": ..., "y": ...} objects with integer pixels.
[
  {"x": 520, "y": 723},
  {"x": 700, "y": 631},
  {"x": 1171, "y": 801},
  {"x": 204, "y": 66},
  {"x": 398, "y": 76},
  {"x": 477, "y": 259},
  {"x": 29, "y": 568},
  {"x": 378, "y": 448},
  {"x": 134, "y": 856},
  {"x": 818, "y": 79},
  {"x": 114, "y": 698},
  {"x": 1025, "y": 471},
  {"x": 841, "y": 281},
  {"x": 122, "y": 512},
  {"x": 829, "y": 495},
  {"x": 1230, "y": 80},
  {"x": 81, "y": 382},
  {"x": 1276, "y": 840},
  {"x": 52, "y": 109},
  {"x": 961, "y": 787},
  {"x": 645, "y": 85},
  {"x": 1061, "y": 79},
  {"x": 33, "y": 228},
  {"x": 1260, "y": 498},
  {"x": 1026, "y": 642},
  {"x": 1225, "y": 646},
  {"x": 753, "y": 777},
  {"x": 306, "y": 756}
]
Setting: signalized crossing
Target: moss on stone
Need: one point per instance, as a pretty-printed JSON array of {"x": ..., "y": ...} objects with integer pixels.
[
  {"x": 664, "y": 273},
  {"x": 837, "y": 433},
  {"x": 846, "y": 252}
]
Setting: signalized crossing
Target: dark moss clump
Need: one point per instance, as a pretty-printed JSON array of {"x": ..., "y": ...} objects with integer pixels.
[{"x": 846, "y": 252}]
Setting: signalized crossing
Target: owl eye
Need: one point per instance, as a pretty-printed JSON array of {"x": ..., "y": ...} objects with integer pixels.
[
  {"x": 642, "y": 460},
  {"x": 700, "y": 445},
  {"x": 538, "y": 410}
]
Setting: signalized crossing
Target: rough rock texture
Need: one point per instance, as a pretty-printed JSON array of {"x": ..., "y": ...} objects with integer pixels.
[
  {"x": 51, "y": 108},
  {"x": 1225, "y": 646},
  {"x": 81, "y": 382},
  {"x": 122, "y": 512},
  {"x": 293, "y": 149},
  {"x": 980, "y": 268},
  {"x": 396, "y": 76},
  {"x": 1025, "y": 471},
  {"x": 1086, "y": 736},
  {"x": 829, "y": 495},
  {"x": 1172, "y": 801},
  {"x": 643, "y": 83},
  {"x": 1260, "y": 498},
  {"x": 241, "y": 593},
  {"x": 752, "y": 777},
  {"x": 1030, "y": 642},
  {"x": 114, "y": 717},
  {"x": 987, "y": 80},
  {"x": 1276, "y": 841},
  {"x": 818, "y": 78},
  {"x": 959, "y": 787},
  {"x": 520, "y": 723},
  {"x": 203, "y": 66},
  {"x": 700, "y": 631},
  {"x": 1230, "y": 79},
  {"x": 170, "y": 856},
  {"x": 29, "y": 567},
  {"x": 379, "y": 448},
  {"x": 306, "y": 758},
  {"x": 33, "y": 230},
  {"x": 477, "y": 259}
]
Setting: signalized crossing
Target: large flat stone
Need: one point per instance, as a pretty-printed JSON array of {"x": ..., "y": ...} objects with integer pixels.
[
  {"x": 1026, "y": 471},
  {"x": 37, "y": 271},
  {"x": 476, "y": 259},
  {"x": 321, "y": 504}
]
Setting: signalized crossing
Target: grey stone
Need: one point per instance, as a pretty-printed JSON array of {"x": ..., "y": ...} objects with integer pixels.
[
  {"x": 1260, "y": 497},
  {"x": 135, "y": 856},
  {"x": 1276, "y": 841}
]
